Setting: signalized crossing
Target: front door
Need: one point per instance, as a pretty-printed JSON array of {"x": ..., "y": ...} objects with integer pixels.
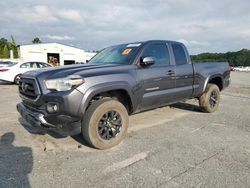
[{"x": 157, "y": 80}]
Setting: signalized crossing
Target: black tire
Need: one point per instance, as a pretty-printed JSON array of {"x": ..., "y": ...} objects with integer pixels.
[
  {"x": 17, "y": 78},
  {"x": 96, "y": 129},
  {"x": 209, "y": 101}
]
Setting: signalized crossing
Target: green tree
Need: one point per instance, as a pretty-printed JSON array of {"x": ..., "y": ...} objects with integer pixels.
[
  {"x": 36, "y": 40},
  {"x": 5, "y": 52},
  {"x": 6, "y": 46},
  {"x": 3, "y": 42},
  {"x": 240, "y": 58},
  {"x": 13, "y": 46}
]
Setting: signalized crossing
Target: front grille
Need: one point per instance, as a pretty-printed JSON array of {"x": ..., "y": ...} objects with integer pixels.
[
  {"x": 33, "y": 106},
  {"x": 28, "y": 88}
]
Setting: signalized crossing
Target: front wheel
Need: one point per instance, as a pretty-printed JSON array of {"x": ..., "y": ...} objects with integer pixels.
[
  {"x": 105, "y": 123},
  {"x": 209, "y": 101},
  {"x": 17, "y": 79}
]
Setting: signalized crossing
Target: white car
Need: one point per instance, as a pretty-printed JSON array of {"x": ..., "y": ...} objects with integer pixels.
[{"x": 12, "y": 72}]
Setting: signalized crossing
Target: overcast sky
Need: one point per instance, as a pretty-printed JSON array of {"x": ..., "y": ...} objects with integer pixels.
[{"x": 204, "y": 26}]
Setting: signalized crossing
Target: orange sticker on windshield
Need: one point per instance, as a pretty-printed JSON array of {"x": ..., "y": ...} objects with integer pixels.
[{"x": 126, "y": 51}]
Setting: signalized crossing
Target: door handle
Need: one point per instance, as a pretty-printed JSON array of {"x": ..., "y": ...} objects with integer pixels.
[{"x": 170, "y": 72}]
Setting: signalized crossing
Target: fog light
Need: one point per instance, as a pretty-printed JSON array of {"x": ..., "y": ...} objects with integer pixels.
[{"x": 52, "y": 107}]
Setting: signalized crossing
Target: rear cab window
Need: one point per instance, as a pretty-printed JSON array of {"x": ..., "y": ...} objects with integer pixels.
[{"x": 179, "y": 54}]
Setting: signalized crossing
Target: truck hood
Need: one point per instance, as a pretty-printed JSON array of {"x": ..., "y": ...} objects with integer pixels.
[
  {"x": 62, "y": 72},
  {"x": 85, "y": 71}
]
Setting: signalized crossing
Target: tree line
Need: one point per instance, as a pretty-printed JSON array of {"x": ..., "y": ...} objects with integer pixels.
[
  {"x": 240, "y": 58},
  {"x": 6, "y": 46}
]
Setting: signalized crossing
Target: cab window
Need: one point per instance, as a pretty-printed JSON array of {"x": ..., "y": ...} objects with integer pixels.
[{"x": 159, "y": 52}]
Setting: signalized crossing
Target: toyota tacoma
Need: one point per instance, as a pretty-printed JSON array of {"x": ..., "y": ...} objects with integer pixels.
[{"x": 96, "y": 99}]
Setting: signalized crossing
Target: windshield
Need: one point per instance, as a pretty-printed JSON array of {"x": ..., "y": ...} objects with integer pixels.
[
  {"x": 122, "y": 54},
  {"x": 7, "y": 64},
  {"x": 11, "y": 64}
]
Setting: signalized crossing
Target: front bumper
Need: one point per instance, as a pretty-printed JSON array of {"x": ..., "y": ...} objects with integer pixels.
[{"x": 61, "y": 124}]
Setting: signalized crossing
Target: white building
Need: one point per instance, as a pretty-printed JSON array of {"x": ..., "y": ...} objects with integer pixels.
[{"x": 54, "y": 53}]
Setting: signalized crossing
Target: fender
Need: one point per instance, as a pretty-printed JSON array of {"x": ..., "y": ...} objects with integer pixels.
[
  {"x": 100, "y": 88},
  {"x": 210, "y": 78}
]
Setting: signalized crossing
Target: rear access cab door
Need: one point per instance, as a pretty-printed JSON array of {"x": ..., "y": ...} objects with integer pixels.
[{"x": 184, "y": 71}]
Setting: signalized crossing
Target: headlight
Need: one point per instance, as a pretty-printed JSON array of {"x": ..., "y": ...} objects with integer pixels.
[{"x": 64, "y": 84}]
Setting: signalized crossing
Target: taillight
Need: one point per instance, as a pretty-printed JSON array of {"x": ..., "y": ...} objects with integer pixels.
[{"x": 3, "y": 70}]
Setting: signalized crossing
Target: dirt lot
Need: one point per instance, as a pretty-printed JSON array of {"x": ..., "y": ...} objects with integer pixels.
[{"x": 166, "y": 147}]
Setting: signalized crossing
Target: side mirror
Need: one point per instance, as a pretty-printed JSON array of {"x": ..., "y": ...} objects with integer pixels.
[
  {"x": 147, "y": 61},
  {"x": 87, "y": 61}
]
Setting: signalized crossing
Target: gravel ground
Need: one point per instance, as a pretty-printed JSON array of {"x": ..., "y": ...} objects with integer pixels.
[{"x": 174, "y": 146}]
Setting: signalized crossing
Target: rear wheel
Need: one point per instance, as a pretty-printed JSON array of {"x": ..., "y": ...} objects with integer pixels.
[
  {"x": 17, "y": 79},
  {"x": 209, "y": 101},
  {"x": 105, "y": 123}
]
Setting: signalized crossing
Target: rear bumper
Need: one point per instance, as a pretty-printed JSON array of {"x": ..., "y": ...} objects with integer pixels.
[{"x": 61, "y": 124}]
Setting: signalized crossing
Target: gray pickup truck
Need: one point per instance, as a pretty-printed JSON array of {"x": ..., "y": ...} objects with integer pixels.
[{"x": 96, "y": 99}]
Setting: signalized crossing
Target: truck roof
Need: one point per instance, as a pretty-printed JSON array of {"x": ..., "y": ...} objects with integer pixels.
[{"x": 149, "y": 41}]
